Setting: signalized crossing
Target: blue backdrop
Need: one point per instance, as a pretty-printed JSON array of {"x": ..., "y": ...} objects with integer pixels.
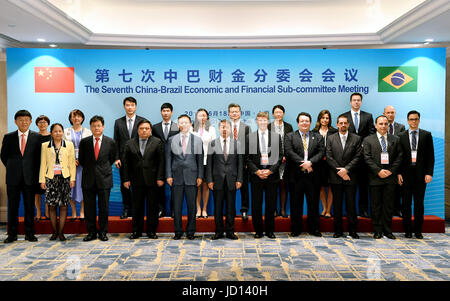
[{"x": 300, "y": 80}]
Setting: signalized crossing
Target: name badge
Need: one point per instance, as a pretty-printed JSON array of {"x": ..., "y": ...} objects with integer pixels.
[
  {"x": 57, "y": 169},
  {"x": 264, "y": 159},
  {"x": 413, "y": 156},
  {"x": 384, "y": 158},
  {"x": 76, "y": 153}
]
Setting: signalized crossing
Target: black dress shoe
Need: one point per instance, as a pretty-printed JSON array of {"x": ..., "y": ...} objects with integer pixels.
[
  {"x": 353, "y": 235},
  {"x": 419, "y": 235},
  {"x": 31, "y": 237},
  {"x": 363, "y": 213},
  {"x": 152, "y": 235},
  {"x": 62, "y": 237},
  {"x": 10, "y": 239},
  {"x": 408, "y": 235},
  {"x": 390, "y": 236},
  {"x": 377, "y": 235},
  {"x": 135, "y": 235},
  {"x": 295, "y": 234},
  {"x": 316, "y": 233},
  {"x": 337, "y": 235},
  {"x": 90, "y": 236},
  {"x": 102, "y": 236},
  {"x": 217, "y": 236},
  {"x": 190, "y": 236},
  {"x": 177, "y": 236},
  {"x": 54, "y": 236},
  {"x": 232, "y": 236},
  {"x": 270, "y": 235},
  {"x": 258, "y": 235},
  {"x": 124, "y": 214},
  {"x": 244, "y": 215}
]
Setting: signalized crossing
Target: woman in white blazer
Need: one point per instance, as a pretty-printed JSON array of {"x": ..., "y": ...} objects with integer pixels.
[
  {"x": 74, "y": 134},
  {"x": 203, "y": 129}
]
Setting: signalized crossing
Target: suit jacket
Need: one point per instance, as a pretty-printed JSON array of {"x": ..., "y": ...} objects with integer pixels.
[
  {"x": 372, "y": 157},
  {"x": 287, "y": 127},
  {"x": 217, "y": 168},
  {"x": 253, "y": 157},
  {"x": 97, "y": 172},
  {"x": 331, "y": 131},
  {"x": 143, "y": 170},
  {"x": 121, "y": 135},
  {"x": 243, "y": 132},
  {"x": 85, "y": 132},
  {"x": 398, "y": 128},
  {"x": 66, "y": 160},
  {"x": 18, "y": 166},
  {"x": 295, "y": 154},
  {"x": 158, "y": 131},
  {"x": 184, "y": 169},
  {"x": 425, "y": 154},
  {"x": 349, "y": 157},
  {"x": 366, "y": 125}
]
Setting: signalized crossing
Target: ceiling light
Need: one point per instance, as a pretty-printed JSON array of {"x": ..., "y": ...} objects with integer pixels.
[
  {"x": 53, "y": 45},
  {"x": 41, "y": 40},
  {"x": 429, "y": 40},
  {"x": 426, "y": 43}
]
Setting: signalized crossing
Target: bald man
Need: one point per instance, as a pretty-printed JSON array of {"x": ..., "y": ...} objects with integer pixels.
[{"x": 395, "y": 128}]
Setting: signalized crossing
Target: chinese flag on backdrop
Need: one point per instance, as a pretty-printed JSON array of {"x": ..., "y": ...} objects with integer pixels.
[{"x": 54, "y": 79}]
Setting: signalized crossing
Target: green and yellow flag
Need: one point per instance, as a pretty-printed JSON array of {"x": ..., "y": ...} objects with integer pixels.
[{"x": 397, "y": 79}]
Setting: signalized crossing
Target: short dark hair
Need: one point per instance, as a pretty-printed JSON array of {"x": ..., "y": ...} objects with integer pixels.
[
  {"x": 97, "y": 118},
  {"x": 234, "y": 105},
  {"x": 381, "y": 116},
  {"x": 22, "y": 113},
  {"x": 341, "y": 116},
  {"x": 76, "y": 112},
  {"x": 144, "y": 121},
  {"x": 42, "y": 117},
  {"x": 303, "y": 114},
  {"x": 56, "y": 124},
  {"x": 278, "y": 107},
  {"x": 225, "y": 121},
  {"x": 167, "y": 105},
  {"x": 356, "y": 93},
  {"x": 413, "y": 112},
  {"x": 185, "y": 115},
  {"x": 130, "y": 99}
]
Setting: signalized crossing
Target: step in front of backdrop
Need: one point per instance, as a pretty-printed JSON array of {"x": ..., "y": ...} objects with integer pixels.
[{"x": 432, "y": 224}]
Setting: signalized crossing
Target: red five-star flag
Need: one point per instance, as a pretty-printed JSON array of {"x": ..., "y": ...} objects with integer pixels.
[{"x": 54, "y": 79}]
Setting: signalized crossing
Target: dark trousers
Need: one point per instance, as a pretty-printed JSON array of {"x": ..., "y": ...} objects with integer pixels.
[
  {"x": 179, "y": 191},
  {"x": 245, "y": 202},
  {"x": 305, "y": 185},
  {"x": 89, "y": 196},
  {"x": 161, "y": 198},
  {"x": 363, "y": 184},
  {"x": 127, "y": 199},
  {"x": 413, "y": 187},
  {"x": 350, "y": 204},
  {"x": 382, "y": 207},
  {"x": 270, "y": 189},
  {"x": 228, "y": 197},
  {"x": 398, "y": 199},
  {"x": 145, "y": 203},
  {"x": 13, "y": 193}
]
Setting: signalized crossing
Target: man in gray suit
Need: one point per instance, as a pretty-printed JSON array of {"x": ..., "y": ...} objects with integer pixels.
[
  {"x": 383, "y": 156},
  {"x": 343, "y": 156},
  {"x": 396, "y": 129},
  {"x": 184, "y": 173},
  {"x": 224, "y": 175}
]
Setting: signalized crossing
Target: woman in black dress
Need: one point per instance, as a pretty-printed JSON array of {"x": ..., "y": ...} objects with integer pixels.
[{"x": 42, "y": 123}]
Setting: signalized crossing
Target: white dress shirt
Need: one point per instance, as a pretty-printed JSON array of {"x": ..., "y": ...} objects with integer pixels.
[
  {"x": 346, "y": 137},
  {"x": 133, "y": 119},
  {"x": 19, "y": 133},
  {"x": 359, "y": 117},
  {"x": 385, "y": 139},
  {"x": 99, "y": 141},
  {"x": 266, "y": 140},
  {"x": 228, "y": 144},
  {"x": 410, "y": 138},
  {"x": 237, "y": 123}
]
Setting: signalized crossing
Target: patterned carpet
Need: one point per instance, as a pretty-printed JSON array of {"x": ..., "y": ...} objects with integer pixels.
[{"x": 247, "y": 259}]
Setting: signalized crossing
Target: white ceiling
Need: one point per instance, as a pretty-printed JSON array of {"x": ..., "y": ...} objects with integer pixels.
[{"x": 214, "y": 23}]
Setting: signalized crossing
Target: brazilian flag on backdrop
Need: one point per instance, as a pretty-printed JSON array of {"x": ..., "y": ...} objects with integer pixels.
[{"x": 397, "y": 79}]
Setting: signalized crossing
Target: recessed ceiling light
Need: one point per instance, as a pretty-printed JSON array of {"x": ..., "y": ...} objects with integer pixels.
[
  {"x": 429, "y": 40},
  {"x": 41, "y": 40},
  {"x": 426, "y": 43},
  {"x": 53, "y": 45},
  {"x": 12, "y": 25}
]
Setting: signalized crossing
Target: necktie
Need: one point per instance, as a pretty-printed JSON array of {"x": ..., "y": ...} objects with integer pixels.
[
  {"x": 166, "y": 130},
  {"x": 391, "y": 129},
  {"x": 22, "y": 147},
  {"x": 225, "y": 153},
  {"x": 235, "y": 134},
  {"x": 413, "y": 141},
  {"x": 183, "y": 144},
  {"x": 130, "y": 126},
  {"x": 383, "y": 144},
  {"x": 305, "y": 146},
  {"x": 263, "y": 143},
  {"x": 96, "y": 148},
  {"x": 142, "y": 146},
  {"x": 344, "y": 140},
  {"x": 356, "y": 122}
]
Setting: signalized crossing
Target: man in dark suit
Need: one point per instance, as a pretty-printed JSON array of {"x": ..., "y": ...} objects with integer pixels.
[
  {"x": 125, "y": 128},
  {"x": 415, "y": 173},
  {"x": 96, "y": 155},
  {"x": 21, "y": 154},
  {"x": 143, "y": 167},
  {"x": 396, "y": 129},
  {"x": 265, "y": 153},
  {"x": 184, "y": 173},
  {"x": 304, "y": 150},
  {"x": 224, "y": 176},
  {"x": 383, "y": 156},
  {"x": 344, "y": 152},
  {"x": 361, "y": 123},
  {"x": 239, "y": 132},
  {"x": 164, "y": 130}
]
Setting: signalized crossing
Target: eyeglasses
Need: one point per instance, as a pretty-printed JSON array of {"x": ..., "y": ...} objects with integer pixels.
[{"x": 414, "y": 119}]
